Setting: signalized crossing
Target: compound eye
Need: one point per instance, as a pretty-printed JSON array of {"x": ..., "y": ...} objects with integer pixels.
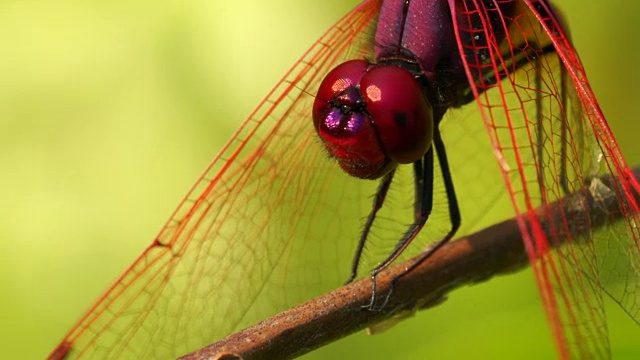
[
  {"x": 335, "y": 86},
  {"x": 401, "y": 114},
  {"x": 344, "y": 125}
]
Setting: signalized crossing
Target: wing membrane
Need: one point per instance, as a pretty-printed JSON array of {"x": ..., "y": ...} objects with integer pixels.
[
  {"x": 201, "y": 277},
  {"x": 263, "y": 217},
  {"x": 551, "y": 140}
]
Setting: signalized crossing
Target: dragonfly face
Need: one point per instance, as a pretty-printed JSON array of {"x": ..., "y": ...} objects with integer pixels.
[{"x": 351, "y": 97}]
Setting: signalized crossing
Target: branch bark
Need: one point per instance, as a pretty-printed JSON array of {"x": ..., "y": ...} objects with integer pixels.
[{"x": 496, "y": 250}]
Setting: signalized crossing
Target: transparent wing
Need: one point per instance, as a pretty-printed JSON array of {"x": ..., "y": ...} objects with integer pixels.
[
  {"x": 551, "y": 140},
  {"x": 273, "y": 221},
  {"x": 247, "y": 230}
]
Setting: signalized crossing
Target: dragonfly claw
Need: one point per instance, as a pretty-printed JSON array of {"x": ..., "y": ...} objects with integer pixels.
[{"x": 372, "y": 306}]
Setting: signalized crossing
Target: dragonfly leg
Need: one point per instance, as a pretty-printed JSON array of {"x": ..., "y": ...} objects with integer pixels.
[
  {"x": 418, "y": 176},
  {"x": 540, "y": 126},
  {"x": 423, "y": 173},
  {"x": 565, "y": 79},
  {"x": 427, "y": 197},
  {"x": 454, "y": 213},
  {"x": 378, "y": 200},
  {"x": 540, "y": 135}
]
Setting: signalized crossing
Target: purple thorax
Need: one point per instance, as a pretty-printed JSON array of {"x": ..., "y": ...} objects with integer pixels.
[{"x": 427, "y": 32}]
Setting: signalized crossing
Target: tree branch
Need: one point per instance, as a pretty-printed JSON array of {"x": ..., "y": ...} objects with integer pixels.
[{"x": 496, "y": 250}]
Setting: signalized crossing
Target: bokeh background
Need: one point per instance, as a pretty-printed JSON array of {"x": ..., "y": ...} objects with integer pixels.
[{"x": 109, "y": 111}]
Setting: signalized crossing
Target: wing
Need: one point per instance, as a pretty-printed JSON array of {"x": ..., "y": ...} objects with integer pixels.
[
  {"x": 246, "y": 230},
  {"x": 551, "y": 139}
]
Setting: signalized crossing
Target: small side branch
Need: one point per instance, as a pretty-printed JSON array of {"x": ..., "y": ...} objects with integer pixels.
[{"x": 496, "y": 250}]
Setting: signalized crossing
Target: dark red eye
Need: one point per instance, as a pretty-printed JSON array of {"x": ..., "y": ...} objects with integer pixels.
[
  {"x": 400, "y": 112},
  {"x": 372, "y": 117}
]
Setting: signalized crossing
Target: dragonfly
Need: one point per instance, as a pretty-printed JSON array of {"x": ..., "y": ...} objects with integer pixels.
[{"x": 273, "y": 207}]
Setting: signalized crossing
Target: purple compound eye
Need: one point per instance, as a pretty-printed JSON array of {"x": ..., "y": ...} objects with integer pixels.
[{"x": 371, "y": 118}]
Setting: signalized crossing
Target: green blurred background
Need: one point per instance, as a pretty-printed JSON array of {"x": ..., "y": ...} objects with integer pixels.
[{"x": 109, "y": 111}]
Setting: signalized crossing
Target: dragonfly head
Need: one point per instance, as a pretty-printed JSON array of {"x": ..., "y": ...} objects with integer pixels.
[{"x": 372, "y": 117}]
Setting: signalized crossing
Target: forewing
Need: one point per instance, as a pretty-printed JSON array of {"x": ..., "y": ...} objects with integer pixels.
[
  {"x": 551, "y": 140},
  {"x": 262, "y": 218}
]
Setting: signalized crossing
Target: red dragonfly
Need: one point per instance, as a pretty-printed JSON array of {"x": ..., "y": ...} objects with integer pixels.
[{"x": 263, "y": 216}]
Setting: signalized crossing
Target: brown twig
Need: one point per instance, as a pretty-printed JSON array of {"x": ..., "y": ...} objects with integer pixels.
[{"x": 496, "y": 250}]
